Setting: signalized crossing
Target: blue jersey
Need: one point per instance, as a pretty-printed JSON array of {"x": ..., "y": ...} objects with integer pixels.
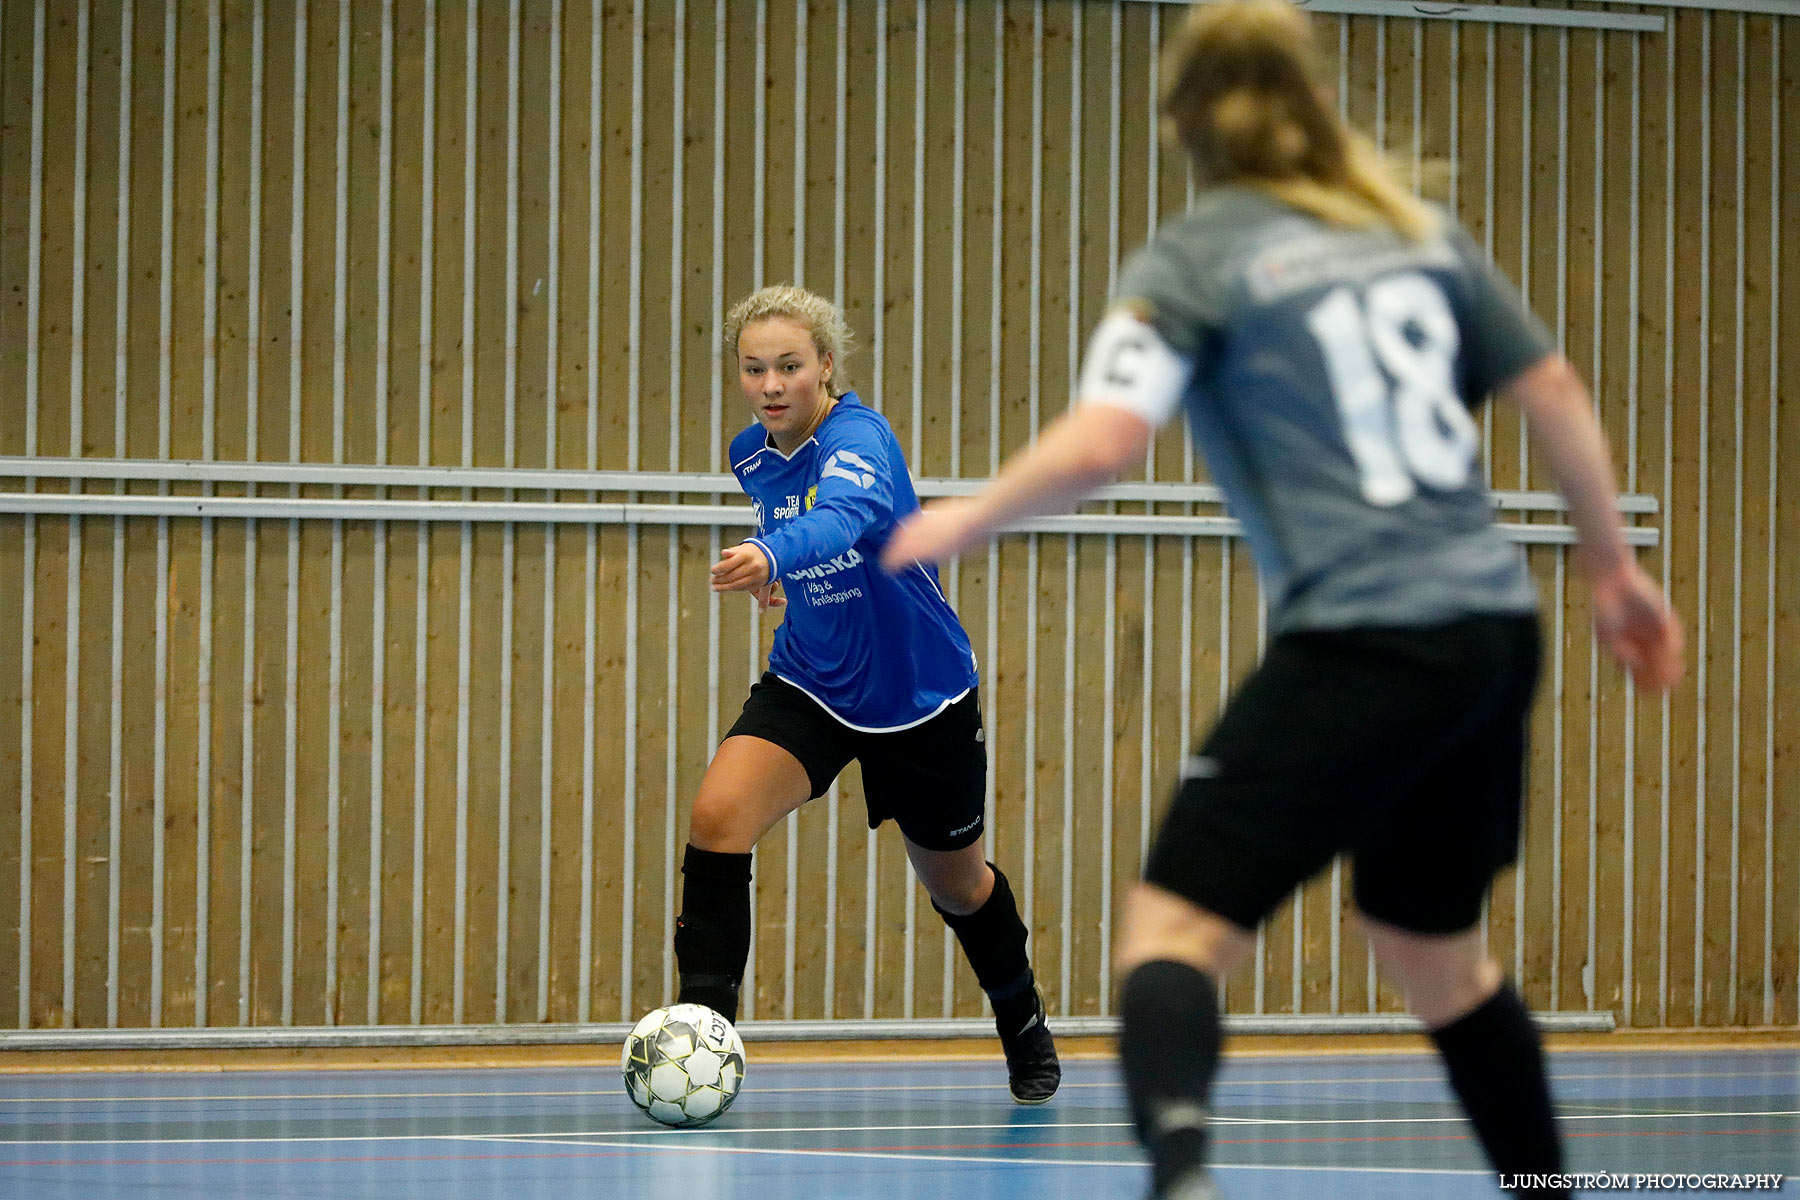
[{"x": 880, "y": 652}]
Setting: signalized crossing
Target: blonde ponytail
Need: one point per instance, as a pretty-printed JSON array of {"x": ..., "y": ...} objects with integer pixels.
[{"x": 1242, "y": 94}]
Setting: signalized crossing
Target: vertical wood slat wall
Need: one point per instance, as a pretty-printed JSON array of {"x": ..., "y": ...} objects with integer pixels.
[{"x": 280, "y": 771}]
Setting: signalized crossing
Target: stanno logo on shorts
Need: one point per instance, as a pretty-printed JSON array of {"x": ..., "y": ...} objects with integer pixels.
[{"x": 1198, "y": 766}]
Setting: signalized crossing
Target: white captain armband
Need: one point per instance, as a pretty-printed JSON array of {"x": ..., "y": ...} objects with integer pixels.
[{"x": 1129, "y": 366}]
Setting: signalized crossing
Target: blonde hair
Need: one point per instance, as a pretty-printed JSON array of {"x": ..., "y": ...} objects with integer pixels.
[
  {"x": 823, "y": 319},
  {"x": 1243, "y": 94}
]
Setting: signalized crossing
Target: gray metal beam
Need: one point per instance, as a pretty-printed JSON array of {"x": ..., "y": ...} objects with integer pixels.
[
  {"x": 1491, "y": 14},
  {"x": 579, "y": 513},
  {"x": 925, "y": 1029},
  {"x": 528, "y": 479}
]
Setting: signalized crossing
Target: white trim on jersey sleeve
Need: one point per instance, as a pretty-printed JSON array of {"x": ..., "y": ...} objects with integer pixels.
[
  {"x": 774, "y": 569},
  {"x": 1130, "y": 366}
]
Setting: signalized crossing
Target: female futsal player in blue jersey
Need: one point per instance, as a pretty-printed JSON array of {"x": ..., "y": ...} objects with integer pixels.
[
  {"x": 1327, "y": 334},
  {"x": 865, "y": 665}
]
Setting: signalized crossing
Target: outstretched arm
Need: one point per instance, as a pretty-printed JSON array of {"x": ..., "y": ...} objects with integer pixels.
[
  {"x": 1083, "y": 449},
  {"x": 1131, "y": 385},
  {"x": 1631, "y": 615}
]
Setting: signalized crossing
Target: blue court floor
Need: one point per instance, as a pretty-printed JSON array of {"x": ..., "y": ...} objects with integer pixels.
[{"x": 1302, "y": 1127}]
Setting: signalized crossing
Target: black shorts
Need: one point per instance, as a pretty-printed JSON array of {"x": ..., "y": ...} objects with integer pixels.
[
  {"x": 1403, "y": 748},
  {"x": 931, "y": 779}
]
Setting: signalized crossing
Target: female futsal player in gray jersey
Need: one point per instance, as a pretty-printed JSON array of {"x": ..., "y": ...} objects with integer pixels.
[{"x": 1327, "y": 334}]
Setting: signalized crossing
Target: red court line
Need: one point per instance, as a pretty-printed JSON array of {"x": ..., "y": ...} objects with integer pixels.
[
  {"x": 308, "y": 1161},
  {"x": 978, "y": 1146}
]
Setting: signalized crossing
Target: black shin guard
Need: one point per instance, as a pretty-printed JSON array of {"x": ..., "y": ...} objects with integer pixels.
[
  {"x": 993, "y": 939},
  {"x": 1496, "y": 1064},
  {"x": 712, "y": 935},
  {"x": 1169, "y": 1045}
]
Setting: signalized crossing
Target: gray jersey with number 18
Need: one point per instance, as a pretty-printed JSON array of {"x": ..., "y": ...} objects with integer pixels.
[{"x": 1333, "y": 375}]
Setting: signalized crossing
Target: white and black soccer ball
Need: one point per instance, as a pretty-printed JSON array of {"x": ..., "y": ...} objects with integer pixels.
[{"x": 683, "y": 1065}]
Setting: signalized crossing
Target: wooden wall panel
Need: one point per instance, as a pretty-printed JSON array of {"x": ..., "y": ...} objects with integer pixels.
[
  {"x": 16, "y": 181},
  {"x": 84, "y": 985},
  {"x": 563, "y": 310},
  {"x": 1783, "y": 688},
  {"x": 16, "y": 538}
]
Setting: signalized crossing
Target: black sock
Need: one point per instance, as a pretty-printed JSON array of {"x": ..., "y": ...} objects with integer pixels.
[
  {"x": 993, "y": 939},
  {"x": 712, "y": 935},
  {"x": 1496, "y": 1064},
  {"x": 1169, "y": 1036}
]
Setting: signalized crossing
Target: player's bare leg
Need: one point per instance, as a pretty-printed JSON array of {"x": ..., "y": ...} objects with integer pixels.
[
  {"x": 750, "y": 785},
  {"x": 975, "y": 900},
  {"x": 1485, "y": 1036}
]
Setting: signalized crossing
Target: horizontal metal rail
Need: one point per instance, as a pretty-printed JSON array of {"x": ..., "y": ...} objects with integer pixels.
[
  {"x": 580, "y": 513},
  {"x": 1780, "y": 8},
  {"x": 925, "y": 1029},
  {"x": 1552, "y": 18},
  {"x": 1489, "y": 14},
  {"x": 530, "y": 479}
]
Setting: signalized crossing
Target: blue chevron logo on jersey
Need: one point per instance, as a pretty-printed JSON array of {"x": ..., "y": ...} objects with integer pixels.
[{"x": 836, "y": 465}]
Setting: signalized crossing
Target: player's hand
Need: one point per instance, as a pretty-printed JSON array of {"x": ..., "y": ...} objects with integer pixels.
[
  {"x": 741, "y": 568},
  {"x": 770, "y": 595},
  {"x": 1633, "y": 619},
  {"x": 942, "y": 530}
]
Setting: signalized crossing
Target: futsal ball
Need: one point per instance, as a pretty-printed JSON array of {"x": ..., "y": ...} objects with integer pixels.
[{"x": 683, "y": 1065}]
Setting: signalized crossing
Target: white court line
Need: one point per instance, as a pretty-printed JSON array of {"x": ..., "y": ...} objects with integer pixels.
[
  {"x": 1236, "y": 1122},
  {"x": 900, "y": 1156},
  {"x": 606, "y": 1091},
  {"x": 1017, "y": 1161},
  {"x": 897, "y": 1156},
  {"x": 800, "y": 1090},
  {"x": 602, "y": 1136},
  {"x": 608, "y": 1135}
]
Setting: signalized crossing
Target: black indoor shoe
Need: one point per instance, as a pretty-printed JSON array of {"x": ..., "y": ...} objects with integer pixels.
[{"x": 1032, "y": 1071}]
